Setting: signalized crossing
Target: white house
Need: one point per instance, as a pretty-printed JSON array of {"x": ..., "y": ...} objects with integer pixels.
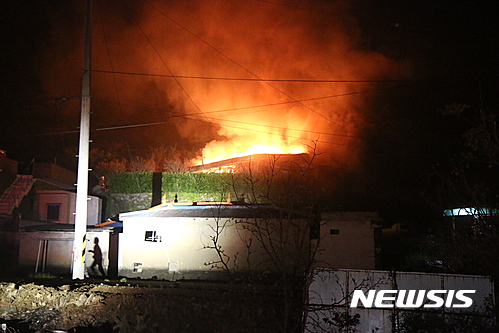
[
  {"x": 200, "y": 241},
  {"x": 207, "y": 240}
]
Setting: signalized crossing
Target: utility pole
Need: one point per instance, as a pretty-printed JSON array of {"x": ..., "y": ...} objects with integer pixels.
[{"x": 80, "y": 235}]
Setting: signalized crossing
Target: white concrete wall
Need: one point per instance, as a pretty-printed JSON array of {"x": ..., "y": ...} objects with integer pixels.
[
  {"x": 347, "y": 241},
  {"x": 63, "y": 198},
  {"x": 94, "y": 210},
  {"x": 184, "y": 243},
  {"x": 182, "y": 246},
  {"x": 329, "y": 292},
  {"x": 67, "y": 201},
  {"x": 58, "y": 247}
]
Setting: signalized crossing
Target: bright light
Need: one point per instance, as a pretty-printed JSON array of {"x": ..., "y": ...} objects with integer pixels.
[
  {"x": 468, "y": 211},
  {"x": 216, "y": 153}
]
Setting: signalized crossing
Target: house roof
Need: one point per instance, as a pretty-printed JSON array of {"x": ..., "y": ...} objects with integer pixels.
[
  {"x": 51, "y": 226},
  {"x": 214, "y": 210},
  {"x": 58, "y": 184},
  {"x": 242, "y": 163},
  {"x": 110, "y": 224}
]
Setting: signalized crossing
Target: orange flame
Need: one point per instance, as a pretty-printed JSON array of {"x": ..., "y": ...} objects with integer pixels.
[
  {"x": 269, "y": 78},
  {"x": 269, "y": 132},
  {"x": 221, "y": 151}
]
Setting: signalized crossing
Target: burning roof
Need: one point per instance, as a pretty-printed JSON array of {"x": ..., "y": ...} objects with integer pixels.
[{"x": 254, "y": 163}]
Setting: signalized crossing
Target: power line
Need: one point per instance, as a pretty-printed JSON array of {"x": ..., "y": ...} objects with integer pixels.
[
  {"x": 242, "y": 67},
  {"x": 286, "y": 128},
  {"x": 245, "y": 129},
  {"x": 293, "y": 137},
  {"x": 42, "y": 134},
  {"x": 166, "y": 66},
  {"x": 243, "y": 107},
  {"x": 30, "y": 100},
  {"x": 109, "y": 128},
  {"x": 191, "y": 115},
  {"x": 125, "y": 134},
  {"x": 294, "y": 7},
  {"x": 255, "y": 79}
]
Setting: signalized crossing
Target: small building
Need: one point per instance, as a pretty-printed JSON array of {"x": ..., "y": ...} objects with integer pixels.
[
  {"x": 60, "y": 206},
  {"x": 46, "y": 196},
  {"x": 37, "y": 214},
  {"x": 48, "y": 249},
  {"x": 206, "y": 241},
  {"x": 348, "y": 240}
]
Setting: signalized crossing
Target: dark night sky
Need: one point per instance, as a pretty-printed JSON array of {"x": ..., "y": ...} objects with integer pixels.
[{"x": 448, "y": 50}]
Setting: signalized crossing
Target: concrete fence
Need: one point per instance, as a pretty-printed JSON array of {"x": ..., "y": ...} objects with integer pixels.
[{"x": 331, "y": 291}]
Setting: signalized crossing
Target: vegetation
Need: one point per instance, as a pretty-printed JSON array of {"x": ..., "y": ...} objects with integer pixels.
[
  {"x": 43, "y": 276},
  {"x": 468, "y": 244},
  {"x": 187, "y": 186},
  {"x": 418, "y": 322},
  {"x": 279, "y": 242}
]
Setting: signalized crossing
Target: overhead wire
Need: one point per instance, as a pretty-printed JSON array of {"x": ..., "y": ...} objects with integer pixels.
[
  {"x": 192, "y": 116},
  {"x": 287, "y": 128},
  {"x": 165, "y": 65},
  {"x": 119, "y": 125},
  {"x": 168, "y": 122},
  {"x": 109, "y": 128},
  {"x": 235, "y": 127},
  {"x": 254, "y": 79},
  {"x": 241, "y": 66},
  {"x": 257, "y": 108},
  {"x": 50, "y": 99},
  {"x": 242, "y": 128},
  {"x": 171, "y": 73},
  {"x": 115, "y": 85},
  {"x": 250, "y": 107},
  {"x": 257, "y": 79}
]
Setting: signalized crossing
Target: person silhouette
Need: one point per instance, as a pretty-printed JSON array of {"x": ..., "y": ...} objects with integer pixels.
[{"x": 97, "y": 257}]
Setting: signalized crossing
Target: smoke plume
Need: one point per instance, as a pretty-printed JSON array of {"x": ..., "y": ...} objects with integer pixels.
[{"x": 227, "y": 75}]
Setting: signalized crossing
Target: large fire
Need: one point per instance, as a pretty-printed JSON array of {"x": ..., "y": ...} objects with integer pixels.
[
  {"x": 218, "y": 152},
  {"x": 292, "y": 129},
  {"x": 254, "y": 135},
  {"x": 245, "y": 77}
]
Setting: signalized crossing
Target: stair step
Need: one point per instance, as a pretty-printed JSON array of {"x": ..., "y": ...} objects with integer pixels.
[{"x": 14, "y": 194}]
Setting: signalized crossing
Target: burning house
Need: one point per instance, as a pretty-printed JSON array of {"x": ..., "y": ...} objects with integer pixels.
[{"x": 256, "y": 163}]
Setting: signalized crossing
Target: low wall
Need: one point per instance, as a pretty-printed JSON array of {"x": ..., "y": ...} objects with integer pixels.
[
  {"x": 330, "y": 291},
  {"x": 51, "y": 252}
]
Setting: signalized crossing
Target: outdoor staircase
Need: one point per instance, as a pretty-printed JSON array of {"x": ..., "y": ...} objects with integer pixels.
[{"x": 12, "y": 196}]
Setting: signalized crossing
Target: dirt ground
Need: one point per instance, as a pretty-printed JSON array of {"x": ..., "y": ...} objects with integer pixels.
[{"x": 138, "y": 306}]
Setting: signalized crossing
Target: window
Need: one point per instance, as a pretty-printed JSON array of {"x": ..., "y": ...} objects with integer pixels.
[
  {"x": 152, "y": 236},
  {"x": 53, "y": 212},
  {"x": 334, "y": 231},
  {"x": 137, "y": 267}
]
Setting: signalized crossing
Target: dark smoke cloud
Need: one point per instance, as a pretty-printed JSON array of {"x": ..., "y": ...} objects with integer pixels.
[
  {"x": 259, "y": 40},
  {"x": 215, "y": 38}
]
